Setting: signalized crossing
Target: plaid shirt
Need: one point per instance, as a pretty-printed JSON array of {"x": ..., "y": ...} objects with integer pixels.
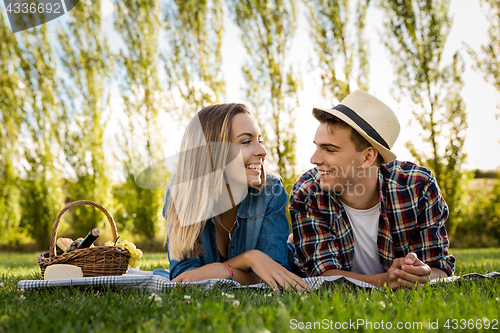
[{"x": 412, "y": 217}]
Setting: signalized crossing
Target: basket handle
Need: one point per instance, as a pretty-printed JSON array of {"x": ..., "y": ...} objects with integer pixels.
[{"x": 52, "y": 249}]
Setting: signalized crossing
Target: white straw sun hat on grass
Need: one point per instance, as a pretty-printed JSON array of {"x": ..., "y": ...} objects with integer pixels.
[{"x": 371, "y": 118}]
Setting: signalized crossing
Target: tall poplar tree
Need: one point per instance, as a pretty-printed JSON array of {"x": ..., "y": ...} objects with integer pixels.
[
  {"x": 12, "y": 96},
  {"x": 42, "y": 196},
  {"x": 139, "y": 24},
  {"x": 487, "y": 62},
  {"x": 87, "y": 61},
  {"x": 337, "y": 29},
  {"x": 267, "y": 28},
  {"x": 415, "y": 34},
  {"x": 193, "y": 58}
]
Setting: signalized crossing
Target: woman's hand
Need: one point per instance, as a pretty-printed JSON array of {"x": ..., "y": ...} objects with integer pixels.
[
  {"x": 263, "y": 267},
  {"x": 273, "y": 273},
  {"x": 215, "y": 270}
]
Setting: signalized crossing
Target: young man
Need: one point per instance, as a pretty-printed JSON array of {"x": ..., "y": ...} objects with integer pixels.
[{"x": 362, "y": 214}]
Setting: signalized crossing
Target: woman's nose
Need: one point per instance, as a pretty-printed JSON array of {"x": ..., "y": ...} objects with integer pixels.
[{"x": 261, "y": 150}]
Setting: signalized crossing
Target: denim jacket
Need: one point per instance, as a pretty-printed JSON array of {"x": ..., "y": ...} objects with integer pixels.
[{"x": 261, "y": 224}]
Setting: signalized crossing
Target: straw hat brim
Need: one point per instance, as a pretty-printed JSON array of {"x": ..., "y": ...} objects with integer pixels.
[{"x": 387, "y": 155}]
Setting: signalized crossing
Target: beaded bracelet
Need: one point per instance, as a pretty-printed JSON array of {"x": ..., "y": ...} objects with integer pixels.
[{"x": 230, "y": 271}]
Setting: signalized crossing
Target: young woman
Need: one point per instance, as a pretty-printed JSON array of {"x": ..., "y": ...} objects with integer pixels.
[{"x": 226, "y": 218}]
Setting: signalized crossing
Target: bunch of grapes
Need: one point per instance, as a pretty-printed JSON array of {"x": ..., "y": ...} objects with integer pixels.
[{"x": 135, "y": 253}]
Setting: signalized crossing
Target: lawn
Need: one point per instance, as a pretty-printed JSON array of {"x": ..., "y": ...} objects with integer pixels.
[{"x": 461, "y": 306}]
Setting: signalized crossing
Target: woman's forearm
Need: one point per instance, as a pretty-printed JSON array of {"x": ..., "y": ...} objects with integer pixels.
[
  {"x": 245, "y": 278},
  {"x": 264, "y": 269},
  {"x": 239, "y": 265},
  {"x": 243, "y": 262}
]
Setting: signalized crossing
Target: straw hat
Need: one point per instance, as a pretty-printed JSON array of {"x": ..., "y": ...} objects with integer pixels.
[{"x": 371, "y": 118}]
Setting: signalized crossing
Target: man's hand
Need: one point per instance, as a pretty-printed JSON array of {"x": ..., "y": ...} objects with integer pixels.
[{"x": 408, "y": 271}]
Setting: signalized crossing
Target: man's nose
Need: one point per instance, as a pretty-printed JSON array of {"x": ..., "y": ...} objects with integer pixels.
[{"x": 316, "y": 158}]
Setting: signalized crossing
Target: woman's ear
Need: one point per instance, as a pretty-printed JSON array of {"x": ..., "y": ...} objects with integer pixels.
[{"x": 370, "y": 158}]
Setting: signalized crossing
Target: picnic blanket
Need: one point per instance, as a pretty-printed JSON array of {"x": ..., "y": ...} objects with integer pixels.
[{"x": 145, "y": 280}]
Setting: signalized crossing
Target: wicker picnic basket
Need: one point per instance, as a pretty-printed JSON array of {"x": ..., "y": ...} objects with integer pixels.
[{"x": 94, "y": 261}]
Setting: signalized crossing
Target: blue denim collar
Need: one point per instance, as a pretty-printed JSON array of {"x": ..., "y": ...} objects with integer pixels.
[{"x": 243, "y": 210}]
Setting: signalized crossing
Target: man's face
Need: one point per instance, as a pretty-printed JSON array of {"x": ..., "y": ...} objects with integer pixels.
[{"x": 337, "y": 162}]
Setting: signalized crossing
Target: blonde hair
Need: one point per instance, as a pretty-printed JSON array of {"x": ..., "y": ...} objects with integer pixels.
[{"x": 193, "y": 193}]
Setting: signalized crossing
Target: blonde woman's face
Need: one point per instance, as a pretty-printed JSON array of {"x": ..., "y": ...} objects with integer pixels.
[{"x": 246, "y": 135}]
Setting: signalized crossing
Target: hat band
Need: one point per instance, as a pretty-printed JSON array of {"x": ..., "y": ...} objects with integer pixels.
[{"x": 362, "y": 123}]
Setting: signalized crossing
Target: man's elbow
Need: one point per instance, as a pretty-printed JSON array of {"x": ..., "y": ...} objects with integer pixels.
[
  {"x": 332, "y": 272},
  {"x": 438, "y": 273}
]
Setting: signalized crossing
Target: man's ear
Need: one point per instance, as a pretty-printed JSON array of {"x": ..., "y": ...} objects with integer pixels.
[{"x": 370, "y": 157}]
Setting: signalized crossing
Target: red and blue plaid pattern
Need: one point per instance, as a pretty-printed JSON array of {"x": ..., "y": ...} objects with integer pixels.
[{"x": 412, "y": 217}]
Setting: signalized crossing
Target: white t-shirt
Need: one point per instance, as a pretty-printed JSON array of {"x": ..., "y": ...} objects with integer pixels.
[{"x": 364, "y": 224}]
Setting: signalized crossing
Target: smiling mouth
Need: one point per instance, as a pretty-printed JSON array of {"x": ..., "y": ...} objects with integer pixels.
[
  {"x": 254, "y": 167},
  {"x": 324, "y": 173}
]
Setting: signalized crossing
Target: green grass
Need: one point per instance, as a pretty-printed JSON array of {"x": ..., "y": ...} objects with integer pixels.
[{"x": 78, "y": 310}]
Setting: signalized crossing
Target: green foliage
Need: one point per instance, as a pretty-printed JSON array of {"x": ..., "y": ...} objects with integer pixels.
[
  {"x": 41, "y": 188},
  {"x": 10, "y": 208},
  {"x": 138, "y": 22},
  {"x": 193, "y": 61},
  {"x": 478, "y": 173},
  {"x": 63, "y": 107},
  {"x": 480, "y": 225},
  {"x": 87, "y": 60},
  {"x": 415, "y": 35},
  {"x": 267, "y": 28},
  {"x": 339, "y": 44},
  {"x": 30, "y": 72},
  {"x": 42, "y": 206},
  {"x": 11, "y": 99},
  {"x": 137, "y": 209}
]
